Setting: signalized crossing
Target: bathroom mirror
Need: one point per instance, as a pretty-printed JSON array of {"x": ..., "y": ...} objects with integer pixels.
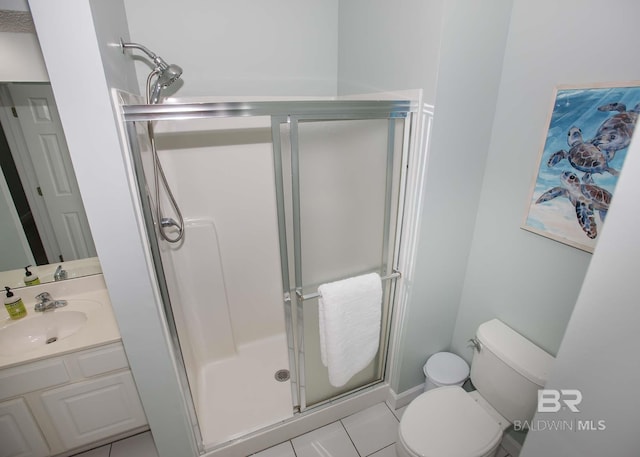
[{"x": 42, "y": 220}]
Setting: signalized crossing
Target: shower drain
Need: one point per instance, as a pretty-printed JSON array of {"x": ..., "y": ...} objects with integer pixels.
[{"x": 282, "y": 375}]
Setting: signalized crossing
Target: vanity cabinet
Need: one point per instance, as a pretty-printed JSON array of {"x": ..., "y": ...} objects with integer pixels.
[
  {"x": 67, "y": 402},
  {"x": 19, "y": 433}
]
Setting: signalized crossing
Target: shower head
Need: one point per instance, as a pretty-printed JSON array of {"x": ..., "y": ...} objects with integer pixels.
[
  {"x": 169, "y": 75},
  {"x": 166, "y": 74},
  {"x": 166, "y": 77}
]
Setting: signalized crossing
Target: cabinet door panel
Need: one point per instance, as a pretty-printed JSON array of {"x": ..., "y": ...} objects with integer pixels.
[
  {"x": 89, "y": 411},
  {"x": 102, "y": 360},
  {"x": 19, "y": 434},
  {"x": 33, "y": 376}
]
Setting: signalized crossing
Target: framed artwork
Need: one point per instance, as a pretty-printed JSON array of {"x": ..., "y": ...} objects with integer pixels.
[{"x": 586, "y": 142}]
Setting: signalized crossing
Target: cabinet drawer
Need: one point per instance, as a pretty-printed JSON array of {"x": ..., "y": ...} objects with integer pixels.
[
  {"x": 100, "y": 361},
  {"x": 19, "y": 433},
  {"x": 89, "y": 411},
  {"x": 34, "y": 376}
]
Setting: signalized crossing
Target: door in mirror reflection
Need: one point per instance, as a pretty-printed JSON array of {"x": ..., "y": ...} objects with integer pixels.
[{"x": 46, "y": 172}]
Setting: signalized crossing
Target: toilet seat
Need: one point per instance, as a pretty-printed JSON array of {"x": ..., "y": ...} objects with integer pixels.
[{"x": 447, "y": 422}]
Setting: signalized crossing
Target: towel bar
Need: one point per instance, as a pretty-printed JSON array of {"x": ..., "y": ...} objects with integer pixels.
[{"x": 395, "y": 274}]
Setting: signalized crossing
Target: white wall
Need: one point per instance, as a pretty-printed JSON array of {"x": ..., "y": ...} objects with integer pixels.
[
  {"x": 386, "y": 46},
  {"x": 528, "y": 281},
  {"x": 79, "y": 42},
  {"x": 599, "y": 352},
  {"x": 242, "y": 47},
  {"x": 471, "y": 55}
]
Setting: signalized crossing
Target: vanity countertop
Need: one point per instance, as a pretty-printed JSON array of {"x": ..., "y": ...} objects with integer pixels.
[{"x": 88, "y": 295}]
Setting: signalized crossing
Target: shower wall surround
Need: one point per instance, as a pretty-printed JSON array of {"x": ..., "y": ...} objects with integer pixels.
[{"x": 223, "y": 277}]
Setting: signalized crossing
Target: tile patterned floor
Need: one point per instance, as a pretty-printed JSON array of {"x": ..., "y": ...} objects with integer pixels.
[
  {"x": 371, "y": 432},
  {"x": 368, "y": 433},
  {"x": 141, "y": 445}
]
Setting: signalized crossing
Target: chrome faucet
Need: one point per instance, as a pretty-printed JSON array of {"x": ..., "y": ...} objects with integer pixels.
[
  {"x": 46, "y": 303},
  {"x": 60, "y": 274}
]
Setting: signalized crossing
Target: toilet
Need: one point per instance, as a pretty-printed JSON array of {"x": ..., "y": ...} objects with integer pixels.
[{"x": 507, "y": 371}]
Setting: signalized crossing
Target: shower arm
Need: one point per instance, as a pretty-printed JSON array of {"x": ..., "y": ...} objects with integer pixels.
[{"x": 157, "y": 60}]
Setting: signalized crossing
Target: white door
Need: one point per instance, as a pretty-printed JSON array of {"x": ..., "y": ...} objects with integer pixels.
[{"x": 40, "y": 123}]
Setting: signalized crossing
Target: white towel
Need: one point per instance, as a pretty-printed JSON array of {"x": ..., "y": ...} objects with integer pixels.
[{"x": 350, "y": 312}]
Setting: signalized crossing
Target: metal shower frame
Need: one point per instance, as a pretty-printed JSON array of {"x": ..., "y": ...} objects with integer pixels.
[{"x": 286, "y": 112}]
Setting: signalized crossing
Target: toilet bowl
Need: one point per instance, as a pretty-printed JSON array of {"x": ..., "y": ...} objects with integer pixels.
[{"x": 507, "y": 371}]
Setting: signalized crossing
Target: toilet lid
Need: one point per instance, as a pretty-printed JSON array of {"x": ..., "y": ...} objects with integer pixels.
[
  {"x": 446, "y": 368},
  {"x": 447, "y": 422}
]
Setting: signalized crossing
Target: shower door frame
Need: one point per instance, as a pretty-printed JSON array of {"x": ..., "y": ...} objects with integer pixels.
[
  {"x": 280, "y": 112},
  {"x": 389, "y": 270}
]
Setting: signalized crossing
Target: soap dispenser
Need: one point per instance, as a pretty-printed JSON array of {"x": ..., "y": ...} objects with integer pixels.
[
  {"x": 14, "y": 305},
  {"x": 30, "y": 279}
]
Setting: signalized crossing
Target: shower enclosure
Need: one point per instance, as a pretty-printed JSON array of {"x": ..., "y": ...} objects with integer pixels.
[{"x": 278, "y": 198}]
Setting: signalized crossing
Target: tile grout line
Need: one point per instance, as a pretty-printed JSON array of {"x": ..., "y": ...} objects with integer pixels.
[
  {"x": 395, "y": 411},
  {"x": 392, "y": 411},
  {"x": 293, "y": 448},
  {"x": 392, "y": 444},
  {"x": 350, "y": 439}
]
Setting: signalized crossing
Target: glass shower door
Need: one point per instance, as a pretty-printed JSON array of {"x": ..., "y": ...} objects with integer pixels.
[{"x": 341, "y": 222}]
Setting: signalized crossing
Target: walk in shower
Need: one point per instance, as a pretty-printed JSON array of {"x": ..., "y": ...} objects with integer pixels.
[{"x": 278, "y": 197}]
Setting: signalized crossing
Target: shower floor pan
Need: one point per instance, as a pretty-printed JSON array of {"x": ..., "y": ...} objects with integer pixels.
[{"x": 240, "y": 394}]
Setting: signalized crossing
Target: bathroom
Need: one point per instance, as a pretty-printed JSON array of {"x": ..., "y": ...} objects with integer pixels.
[{"x": 486, "y": 266}]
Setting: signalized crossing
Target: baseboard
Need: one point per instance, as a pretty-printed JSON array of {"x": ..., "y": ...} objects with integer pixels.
[
  {"x": 511, "y": 445},
  {"x": 397, "y": 401}
]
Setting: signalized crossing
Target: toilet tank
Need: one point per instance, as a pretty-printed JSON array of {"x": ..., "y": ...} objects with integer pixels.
[{"x": 508, "y": 370}]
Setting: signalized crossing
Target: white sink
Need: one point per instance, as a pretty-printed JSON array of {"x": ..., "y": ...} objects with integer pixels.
[{"x": 37, "y": 330}]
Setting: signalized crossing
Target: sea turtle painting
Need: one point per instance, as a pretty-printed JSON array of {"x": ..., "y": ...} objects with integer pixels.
[
  {"x": 615, "y": 132},
  {"x": 586, "y": 198},
  {"x": 586, "y": 145},
  {"x": 583, "y": 156}
]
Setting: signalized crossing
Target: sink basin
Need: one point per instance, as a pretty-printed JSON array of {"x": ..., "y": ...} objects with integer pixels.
[{"x": 33, "y": 332}]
